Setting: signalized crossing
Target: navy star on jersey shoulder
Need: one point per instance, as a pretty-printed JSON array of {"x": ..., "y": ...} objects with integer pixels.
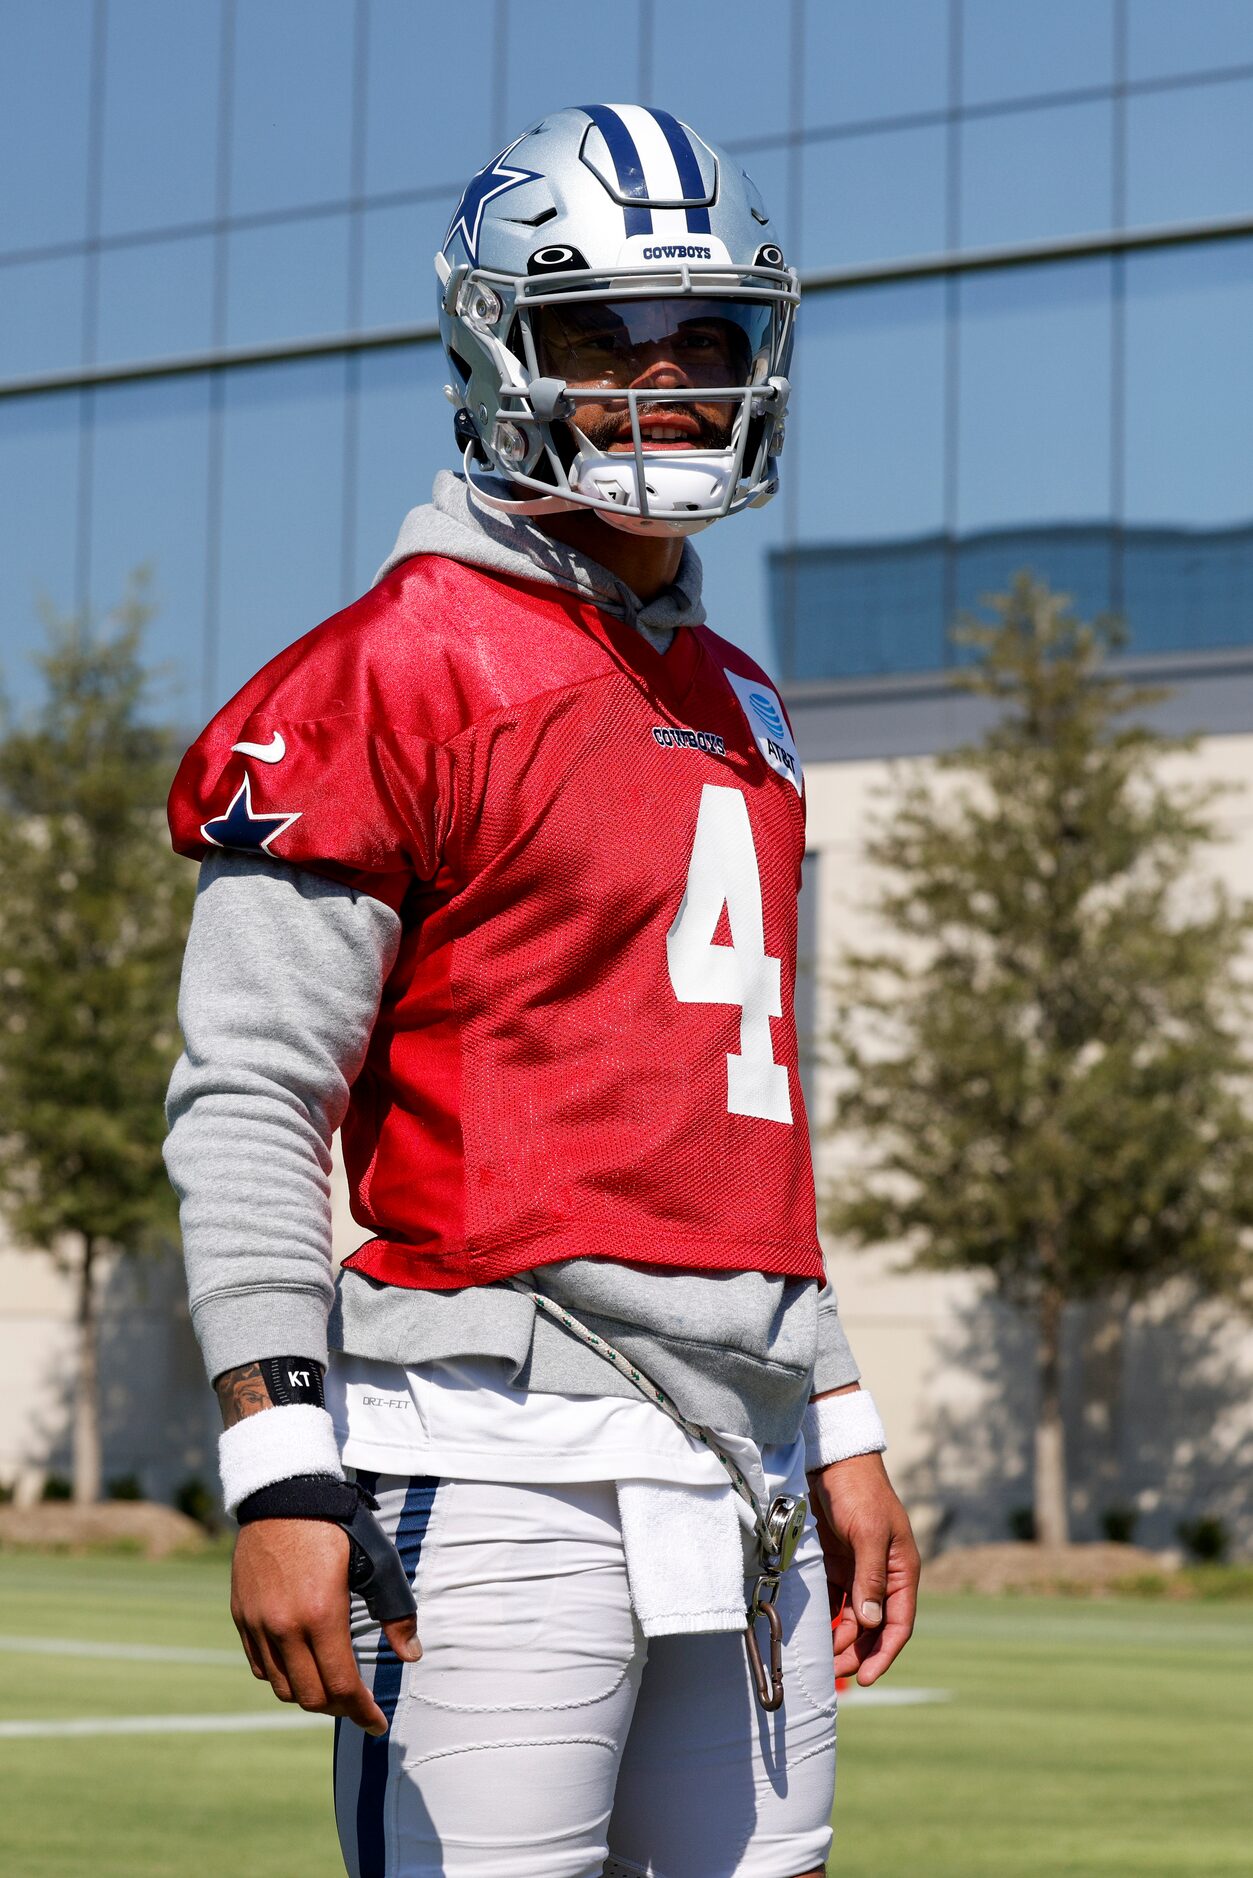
[{"x": 243, "y": 827}]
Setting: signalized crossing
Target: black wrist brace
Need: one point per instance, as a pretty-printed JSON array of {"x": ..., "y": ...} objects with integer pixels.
[{"x": 375, "y": 1569}]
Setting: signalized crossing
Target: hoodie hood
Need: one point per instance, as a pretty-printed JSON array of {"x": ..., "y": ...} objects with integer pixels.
[{"x": 451, "y": 525}]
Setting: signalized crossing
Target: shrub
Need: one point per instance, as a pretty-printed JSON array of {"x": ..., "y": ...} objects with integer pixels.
[
  {"x": 1205, "y": 1539},
  {"x": 194, "y": 1499},
  {"x": 57, "y": 1487},
  {"x": 1021, "y": 1524},
  {"x": 1118, "y": 1523},
  {"x": 125, "y": 1487}
]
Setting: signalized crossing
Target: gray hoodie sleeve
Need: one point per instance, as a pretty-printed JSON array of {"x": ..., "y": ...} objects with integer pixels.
[
  {"x": 281, "y": 985},
  {"x": 836, "y": 1365}
]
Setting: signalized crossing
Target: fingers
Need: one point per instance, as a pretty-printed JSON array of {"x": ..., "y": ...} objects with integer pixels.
[
  {"x": 879, "y": 1621},
  {"x": 314, "y": 1665},
  {"x": 870, "y": 1574},
  {"x": 289, "y": 1600},
  {"x": 883, "y": 1646},
  {"x": 314, "y": 1669},
  {"x": 873, "y": 1649},
  {"x": 401, "y": 1633}
]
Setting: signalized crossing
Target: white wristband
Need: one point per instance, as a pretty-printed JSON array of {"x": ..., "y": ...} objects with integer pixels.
[
  {"x": 273, "y": 1445},
  {"x": 840, "y": 1426}
]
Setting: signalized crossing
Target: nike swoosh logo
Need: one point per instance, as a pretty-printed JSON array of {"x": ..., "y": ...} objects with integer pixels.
[{"x": 272, "y": 752}]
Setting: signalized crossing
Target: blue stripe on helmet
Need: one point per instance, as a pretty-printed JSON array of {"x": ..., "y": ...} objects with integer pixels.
[
  {"x": 627, "y": 166},
  {"x": 687, "y": 164},
  {"x": 415, "y": 1517}
]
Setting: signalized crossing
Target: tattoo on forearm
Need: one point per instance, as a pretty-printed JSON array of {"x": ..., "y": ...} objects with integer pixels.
[{"x": 242, "y": 1392}]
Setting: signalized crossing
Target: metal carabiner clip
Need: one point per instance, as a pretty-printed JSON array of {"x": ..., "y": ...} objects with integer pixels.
[{"x": 769, "y": 1691}]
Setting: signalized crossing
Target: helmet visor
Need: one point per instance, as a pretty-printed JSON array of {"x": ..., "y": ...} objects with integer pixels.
[{"x": 610, "y": 345}]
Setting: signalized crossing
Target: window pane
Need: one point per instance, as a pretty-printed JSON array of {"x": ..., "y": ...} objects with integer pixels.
[
  {"x": 1034, "y": 429},
  {"x": 1190, "y": 385},
  {"x": 1189, "y": 499},
  {"x": 404, "y": 435},
  {"x": 709, "y": 66},
  {"x": 41, "y": 316},
  {"x": 1164, "y": 37},
  {"x": 44, "y": 84},
  {"x": 398, "y": 262},
  {"x": 1190, "y": 153},
  {"x": 292, "y": 108},
  {"x": 1035, "y": 395},
  {"x": 287, "y": 280},
  {"x": 1074, "y": 559},
  {"x": 865, "y": 591},
  {"x": 446, "y": 137},
  {"x": 864, "y": 59},
  {"x": 282, "y": 515},
  {"x": 149, "y": 505},
  {"x": 39, "y": 476},
  {"x": 768, "y": 170},
  {"x": 160, "y": 118},
  {"x": 873, "y": 197},
  {"x": 734, "y": 554},
  {"x": 1024, "y": 51},
  {"x": 156, "y": 299},
  {"x": 1032, "y": 175}
]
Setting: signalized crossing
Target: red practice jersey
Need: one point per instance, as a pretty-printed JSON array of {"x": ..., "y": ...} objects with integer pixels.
[{"x": 586, "y": 1047}]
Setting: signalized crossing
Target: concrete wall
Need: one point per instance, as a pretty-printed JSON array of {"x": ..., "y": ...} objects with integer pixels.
[{"x": 158, "y": 1416}]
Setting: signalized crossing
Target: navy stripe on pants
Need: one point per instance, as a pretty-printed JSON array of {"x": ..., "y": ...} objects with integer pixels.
[{"x": 415, "y": 1517}]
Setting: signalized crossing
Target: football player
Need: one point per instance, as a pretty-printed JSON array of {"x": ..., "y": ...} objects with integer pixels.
[{"x": 499, "y": 870}]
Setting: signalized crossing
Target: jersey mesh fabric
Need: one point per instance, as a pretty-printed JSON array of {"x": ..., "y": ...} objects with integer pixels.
[{"x": 496, "y": 761}]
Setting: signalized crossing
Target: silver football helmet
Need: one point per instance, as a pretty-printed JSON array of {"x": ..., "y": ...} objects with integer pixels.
[{"x": 618, "y": 316}]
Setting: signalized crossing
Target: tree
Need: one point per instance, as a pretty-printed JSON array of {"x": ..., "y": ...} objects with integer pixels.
[
  {"x": 1046, "y": 1062},
  {"x": 93, "y": 913}
]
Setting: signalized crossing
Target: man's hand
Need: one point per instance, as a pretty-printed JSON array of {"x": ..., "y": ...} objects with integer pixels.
[
  {"x": 289, "y": 1599},
  {"x": 872, "y": 1564}
]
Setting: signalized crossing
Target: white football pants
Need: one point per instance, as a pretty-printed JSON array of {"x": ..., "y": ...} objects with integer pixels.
[{"x": 542, "y": 1734}]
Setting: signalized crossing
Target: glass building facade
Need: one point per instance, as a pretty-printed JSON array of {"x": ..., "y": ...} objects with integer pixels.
[{"x": 1026, "y": 234}]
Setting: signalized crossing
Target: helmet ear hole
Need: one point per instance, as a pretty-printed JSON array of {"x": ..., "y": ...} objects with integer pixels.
[{"x": 466, "y": 432}]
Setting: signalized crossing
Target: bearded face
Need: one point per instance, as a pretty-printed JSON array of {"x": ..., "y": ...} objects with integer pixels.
[{"x": 663, "y": 346}]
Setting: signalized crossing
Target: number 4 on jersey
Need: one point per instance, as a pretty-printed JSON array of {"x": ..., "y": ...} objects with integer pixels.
[{"x": 722, "y": 872}]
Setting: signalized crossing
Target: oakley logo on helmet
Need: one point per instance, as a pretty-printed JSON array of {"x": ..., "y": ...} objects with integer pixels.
[
  {"x": 555, "y": 259},
  {"x": 770, "y": 255}
]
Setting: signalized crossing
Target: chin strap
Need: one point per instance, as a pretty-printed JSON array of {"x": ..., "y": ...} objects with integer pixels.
[
  {"x": 375, "y": 1569},
  {"x": 510, "y": 505}
]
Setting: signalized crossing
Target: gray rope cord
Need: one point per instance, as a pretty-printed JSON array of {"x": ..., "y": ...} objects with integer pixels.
[{"x": 651, "y": 1393}]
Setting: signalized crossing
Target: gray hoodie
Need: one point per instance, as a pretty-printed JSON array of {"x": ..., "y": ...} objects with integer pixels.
[{"x": 281, "y": 986}]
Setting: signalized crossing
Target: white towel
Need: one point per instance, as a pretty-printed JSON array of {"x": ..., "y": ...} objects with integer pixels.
[{"x": 687, "y": 1553}]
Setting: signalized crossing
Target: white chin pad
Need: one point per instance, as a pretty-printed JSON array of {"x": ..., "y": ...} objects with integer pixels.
[{"x": 693, "y": 480}]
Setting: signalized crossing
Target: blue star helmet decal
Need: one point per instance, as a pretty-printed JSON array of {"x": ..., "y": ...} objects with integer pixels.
[
  {"x": 242, "y": 827},
  {"x": 492, "y": 180}
]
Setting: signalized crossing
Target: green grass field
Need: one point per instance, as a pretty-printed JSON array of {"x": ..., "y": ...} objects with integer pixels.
[{"x": 1087, "y": 1738}]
